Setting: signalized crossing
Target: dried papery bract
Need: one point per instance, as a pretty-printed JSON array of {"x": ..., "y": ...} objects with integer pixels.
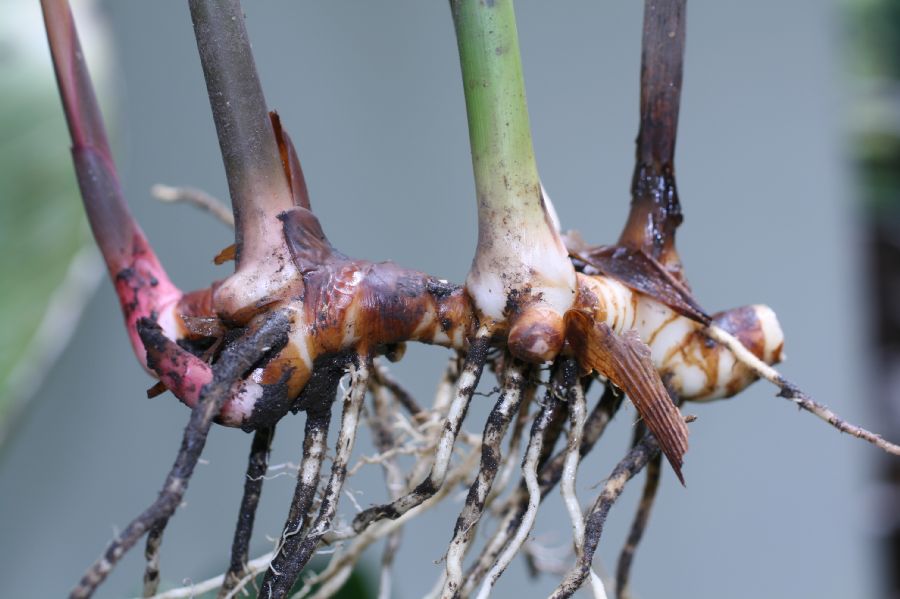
[{"x": 625, "y": 361}]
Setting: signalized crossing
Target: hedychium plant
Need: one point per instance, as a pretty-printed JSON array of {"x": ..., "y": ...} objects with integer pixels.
[{"x": 297, "y": 316}]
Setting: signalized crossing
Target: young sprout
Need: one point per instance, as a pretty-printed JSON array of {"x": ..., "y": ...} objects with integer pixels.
[{"x": 521, "y": 279}]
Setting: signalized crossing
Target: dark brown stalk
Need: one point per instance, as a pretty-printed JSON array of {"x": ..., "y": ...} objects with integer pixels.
[
  {"x": 233, "y": 364},
  {"x": 655, "y": 209},
  {"x": 253, "y": 163},
  {"x": 633, "y": 463},
  {"x": 468, "y": 381},
  {"x": 293, "y": 555},
  {"x": 257, "y": 464}
]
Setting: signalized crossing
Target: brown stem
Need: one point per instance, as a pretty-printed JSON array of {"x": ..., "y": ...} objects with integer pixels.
[
  {"x": 253, "y": 164},
  {"x": 655, "y": 209}
]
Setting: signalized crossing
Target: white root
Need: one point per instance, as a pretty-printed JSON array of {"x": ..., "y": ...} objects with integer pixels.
[
  {"x": 630, "y": 465},
  {"x": 530, "y": 476},
  {"x": 195, "y": 197},
  {"x": 254, "y": 567},
  {"x": 348, "y": 555},
  {"x": 472, "y": 511},
  {"x": 597, "y": 587},
  {"x": 577, "y": 416},
  {"x": 793, "y": 393},
  {"x": 332, "y": 586},
  {"x": 512, "y": 454},
  {"x": 489, "y": 554},
  {"x": 512, "y": 507},
  {"x": 384, "y": 437},
  {"x": 450, "y": 429},
  {"x": 301, "y": 551}
]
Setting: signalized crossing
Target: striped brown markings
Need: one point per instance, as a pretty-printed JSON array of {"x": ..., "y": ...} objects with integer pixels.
[
  {"x": 693, "y": 345},
  {"x": 625, "y": 360},
  {"x": 744, "y": 324}
]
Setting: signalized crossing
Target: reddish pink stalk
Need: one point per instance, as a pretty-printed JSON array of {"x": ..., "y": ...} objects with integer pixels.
[{"x": 141, "y": 283}]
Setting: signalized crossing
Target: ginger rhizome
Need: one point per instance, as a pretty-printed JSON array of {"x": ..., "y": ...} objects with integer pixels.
[{"x": 277, "y": 335}]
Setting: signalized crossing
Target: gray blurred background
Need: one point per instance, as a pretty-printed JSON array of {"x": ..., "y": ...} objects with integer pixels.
[{"x": 777, "y": 505}]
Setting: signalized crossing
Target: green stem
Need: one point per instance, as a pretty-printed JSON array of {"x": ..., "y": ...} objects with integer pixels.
[
  {"x": 506, "y": 174},
  {"x": 521, "y": 276}
]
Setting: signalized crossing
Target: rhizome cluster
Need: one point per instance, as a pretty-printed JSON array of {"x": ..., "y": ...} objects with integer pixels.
[{"x": 297, "y": 315}]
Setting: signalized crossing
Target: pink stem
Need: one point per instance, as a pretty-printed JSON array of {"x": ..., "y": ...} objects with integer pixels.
[{"x": 143, "y": 288}]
